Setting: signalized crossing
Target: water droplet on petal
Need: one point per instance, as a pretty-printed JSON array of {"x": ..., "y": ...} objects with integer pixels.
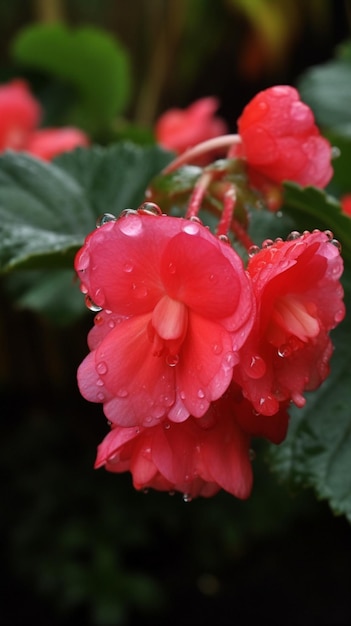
[
  {"x": 104, "y": 219},
  {"x": 267, "y": 243},
  {"x": 167, "y": 426},
  {"x": 187, "y": 497},
  {"x": 171, "y": 493},
  {"x": 328, "y": 234},
  {"x": 257, "y": 367},
  {"x": 101, "y": 368},
  {"x": 150, "y": 208},
  {"x": 91, "y": 304},
  {"x": 217, "y": 348},
  {"x": 130, "y": 224},
  {"x": 122, "y": 393},
  {"x": 295, "y": 234},
  {"x": 200, "y": 393},
  {"x": 253, "y": 250},
  {"x": 100, "y": 383},
  {"x": 83, "y": 261},
  {"x": 100, "y": 396},
  {"x": 191, "y": 227},
  {"x": 172, "y": 268},
  {"x": 224, "y": 239},
  {"x": 139, "y": 290},
  {"x": 230, "y": 359},
  {"x": 99, "y": 298},
  {"x": 172, "y": 360},
  {"x": 128, "y": 267},
  {"x": 336, "y": 243},
  {"x": 284, "y": 350}
]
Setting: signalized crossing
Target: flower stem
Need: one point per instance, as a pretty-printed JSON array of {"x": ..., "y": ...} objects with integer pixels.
[
  {"x": 198, "y": 194},
  {"x": 224, "y": 141}
]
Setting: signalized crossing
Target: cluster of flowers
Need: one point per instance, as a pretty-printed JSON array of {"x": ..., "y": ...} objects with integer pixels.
[
  {"x": 20, "y": 116},
  {"x": 192, "y": 354}
]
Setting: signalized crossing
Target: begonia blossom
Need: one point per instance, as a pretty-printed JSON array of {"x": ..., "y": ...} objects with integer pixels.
[
  {"x": 299, "y": 300},
  {"x": 281, "y": 141},
  {"x": 47, "y": 143},
  {"x": 180, "y": 129},
  {"x": 177, "y": 307},
  {"x": 20, "y": 116},
  {"x": 197, "y": 457}
]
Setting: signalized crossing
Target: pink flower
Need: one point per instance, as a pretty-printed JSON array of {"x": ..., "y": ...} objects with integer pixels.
[
  {"x": 299, "y": 300},
  {"x": 281, "y": 140},
  {"x": 19, "y": 115},
  {"x": 179, "y": 129},
  {"x": 178, "y": 306},
  {"x": 50, "y": 142},
  {"x": 197, "y": 457}
]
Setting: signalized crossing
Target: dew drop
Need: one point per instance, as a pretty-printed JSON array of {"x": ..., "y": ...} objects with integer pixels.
[
  {"x": 91, "y": 304},
  {"x": 328, "y": 234},
  {"x": 171, "y": 493},
  {"x": 111, "y": 324},
  {"x": 200, "y": 393},
  {"x": 171, "y": 268},
  {"x": 267, "y": 243},
  {"x": 295, "y": 234},
  {"x": 99, "y": 382},
  {"x": 104, "y": 219},
  {"x": 139, "y": 290},
  {"x": 230, "y": 359},
  {"x": 101, "y": 368},
  {"x": 335, "y": 152},
  {"x": 84, "y": 260},
  {"x": 339, "y": 316},
  {"x": 253, "y": 250},
  {"x": 122, "y": 393},
  {"x": 128, "y": 267},
  {"x": 99, "y": 298},
  {"x": 191, "y": 227},
  {"x": 256, "y": 367},
  {"x": 100, "y": 396},
  {"x": 150, "y": 208},
  {"x": 187, "y": 497},
  {"x": 167, "y": 426},
  {"x": 217, "y": 348},
  {"x": 284, "y": 350},
  {"x": 336, "y": 243},
  {"x": 278, "y": 240},
  {"x": 224, "y": 239},
  {"x": 130, "y": 224},
  {"x": 172, "y": 360},
  {"x": 84, "y": 289}
]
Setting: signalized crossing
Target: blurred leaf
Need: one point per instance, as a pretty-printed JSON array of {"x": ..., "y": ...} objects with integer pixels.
[
  {"x": 327, "y": 90},
  {"x": 46, "y": 210},
  {"x": 316, "y": 452},
  {"x": 49, "y": 292},
  {"x": 89, "y": 59},
  {"x": 313, "y": 208}
]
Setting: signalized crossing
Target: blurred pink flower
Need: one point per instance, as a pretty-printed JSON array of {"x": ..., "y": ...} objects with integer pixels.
[
  {"x": 179, "y": 129},
  {"x": 20, "y": 115}
]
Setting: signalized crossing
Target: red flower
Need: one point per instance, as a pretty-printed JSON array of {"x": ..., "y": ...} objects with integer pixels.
[
  {"x": 50, "y": 142},
  {"x": 20, "y": 115},
  {"x": 281, "y": 140},
  {"x": 345, "y": 202},
  {"x": 197, "y": 457},
  {"x": 179, "y": 129},
  {"x": 177, "y": 306},
  {"x": 299, "y": 300}
]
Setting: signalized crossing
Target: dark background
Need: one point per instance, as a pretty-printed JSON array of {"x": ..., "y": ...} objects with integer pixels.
[{"x": 81, "y": 546}]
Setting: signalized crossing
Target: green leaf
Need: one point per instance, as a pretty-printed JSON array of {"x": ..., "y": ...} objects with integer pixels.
[
  {"x": 313, "y": 208},
  {"x": 46, "y": 210},
  {"x": 327, "y": 90},
  {"x": 90, "y": 60},
  {"x": 316, "y": 452}
]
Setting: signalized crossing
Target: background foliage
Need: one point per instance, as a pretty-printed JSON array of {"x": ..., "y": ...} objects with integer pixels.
[{"x": 81, "y": 545}]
